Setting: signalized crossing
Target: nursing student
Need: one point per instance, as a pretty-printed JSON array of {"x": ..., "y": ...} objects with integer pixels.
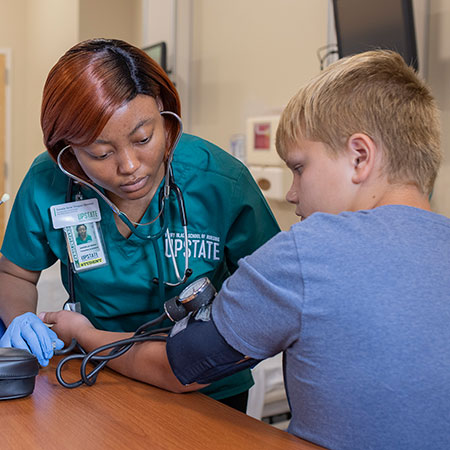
[{"x": 110, "y": 120}]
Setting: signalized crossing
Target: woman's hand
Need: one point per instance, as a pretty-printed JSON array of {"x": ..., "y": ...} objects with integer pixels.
[{"x": 66, "y": 324}]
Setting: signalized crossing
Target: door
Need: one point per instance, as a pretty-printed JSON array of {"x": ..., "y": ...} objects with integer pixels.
[{"x": 2, "y": 139}]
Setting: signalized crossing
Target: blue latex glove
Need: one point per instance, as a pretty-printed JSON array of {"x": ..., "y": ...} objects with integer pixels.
[{"x": 30, "y": 333}]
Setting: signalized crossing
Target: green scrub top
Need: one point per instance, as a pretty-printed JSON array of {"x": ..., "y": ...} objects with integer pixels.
[{"x": 228, "y": 218}]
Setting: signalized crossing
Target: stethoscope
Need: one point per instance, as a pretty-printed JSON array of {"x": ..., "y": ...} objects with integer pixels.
[{"x": 163, "y": 214}]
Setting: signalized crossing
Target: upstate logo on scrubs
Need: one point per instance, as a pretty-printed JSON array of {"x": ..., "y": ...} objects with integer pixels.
[{"x": 200, "y": 246}]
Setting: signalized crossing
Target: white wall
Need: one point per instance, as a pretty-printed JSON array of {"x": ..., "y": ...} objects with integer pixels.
[
  {"x": 37, "y": 32},
  {"x": 113, "y": 19},
  {"x": 438, "y": 77},
  {"x": 159, "y": 24},
  {"x": 13, "y": 38},
  {"x": 51, "y": 28},
  {"x": 248, "y": 59}
]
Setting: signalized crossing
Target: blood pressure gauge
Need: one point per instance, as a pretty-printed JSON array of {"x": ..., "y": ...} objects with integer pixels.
[
  {"x": 199, "y": 293},
  {"x": 200, "y": 289}
]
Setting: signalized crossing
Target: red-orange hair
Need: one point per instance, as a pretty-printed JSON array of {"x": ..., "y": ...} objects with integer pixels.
[{"x": 89, "y": 83}]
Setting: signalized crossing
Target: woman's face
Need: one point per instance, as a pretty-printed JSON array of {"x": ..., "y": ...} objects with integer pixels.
[
  {"x": 82, "y": 232},
  {"x": 127, "y": 158}
]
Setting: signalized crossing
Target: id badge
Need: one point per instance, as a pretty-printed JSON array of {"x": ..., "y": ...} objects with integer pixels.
[{"x": 80, "y": 222}]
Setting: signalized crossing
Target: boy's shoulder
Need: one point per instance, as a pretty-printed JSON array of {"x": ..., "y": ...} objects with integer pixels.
[{"x": 348, "y": 228}]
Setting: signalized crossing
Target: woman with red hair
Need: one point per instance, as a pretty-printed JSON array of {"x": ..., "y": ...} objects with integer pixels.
[{"x": 110, "y": 118}]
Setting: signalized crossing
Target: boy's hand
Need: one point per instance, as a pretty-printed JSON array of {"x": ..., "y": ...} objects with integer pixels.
[{"x": 66, "y": 324}]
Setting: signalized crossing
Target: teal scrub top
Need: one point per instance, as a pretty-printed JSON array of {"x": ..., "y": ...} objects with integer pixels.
[{"x": 228, "y": 218}]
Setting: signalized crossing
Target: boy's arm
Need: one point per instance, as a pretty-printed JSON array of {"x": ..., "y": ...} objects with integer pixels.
[{"x": 146, "y": 361}]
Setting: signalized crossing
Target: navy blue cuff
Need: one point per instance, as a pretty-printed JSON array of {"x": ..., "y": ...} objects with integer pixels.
[{"x": 200, "y": 354}]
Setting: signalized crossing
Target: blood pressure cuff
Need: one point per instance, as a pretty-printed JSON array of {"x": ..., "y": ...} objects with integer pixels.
[{"x": 200, "y": 354}]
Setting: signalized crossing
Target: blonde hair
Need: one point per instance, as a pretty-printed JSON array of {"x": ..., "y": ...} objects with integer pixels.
[{"x": 377, "y": 94}]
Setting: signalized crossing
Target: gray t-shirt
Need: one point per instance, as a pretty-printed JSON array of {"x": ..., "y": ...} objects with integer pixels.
[{"x": 360, "y": 304}]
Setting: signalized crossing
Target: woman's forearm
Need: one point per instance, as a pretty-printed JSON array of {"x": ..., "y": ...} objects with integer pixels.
[{"x": 18, "y": 293}]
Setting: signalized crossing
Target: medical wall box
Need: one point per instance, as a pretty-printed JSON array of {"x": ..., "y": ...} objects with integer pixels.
[
  {"x": 274, "y": 182},
  {"x": 18, "y": 370},
  {"x": 260, "y": 135},
  {"x": 263, "y": 161}
]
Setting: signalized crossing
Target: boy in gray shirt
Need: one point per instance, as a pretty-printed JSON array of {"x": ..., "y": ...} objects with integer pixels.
[{"x": 357, "y": 295}]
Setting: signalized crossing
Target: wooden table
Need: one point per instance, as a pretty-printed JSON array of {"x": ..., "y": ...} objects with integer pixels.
[{"x": 120, "y": 413}]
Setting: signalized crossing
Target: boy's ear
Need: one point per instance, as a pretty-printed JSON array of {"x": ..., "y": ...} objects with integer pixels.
[{"x": 362, "y": 151}]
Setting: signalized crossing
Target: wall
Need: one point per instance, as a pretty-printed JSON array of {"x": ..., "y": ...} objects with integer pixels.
[
  {"x": 438, "y": 77},
  {"x": 248, "y": 59},
  {"x": 13, "y": 38},
  {"x": 159, "y": 26},
  {"x": 36, "y": 32},
  {"x": 51, "y": 28},
  {"x": 170, "y": 21},
  {"x": 118, "y": 19}
]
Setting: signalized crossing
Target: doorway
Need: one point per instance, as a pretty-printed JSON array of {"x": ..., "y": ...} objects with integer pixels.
[{"x": 3, "y": 131}]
